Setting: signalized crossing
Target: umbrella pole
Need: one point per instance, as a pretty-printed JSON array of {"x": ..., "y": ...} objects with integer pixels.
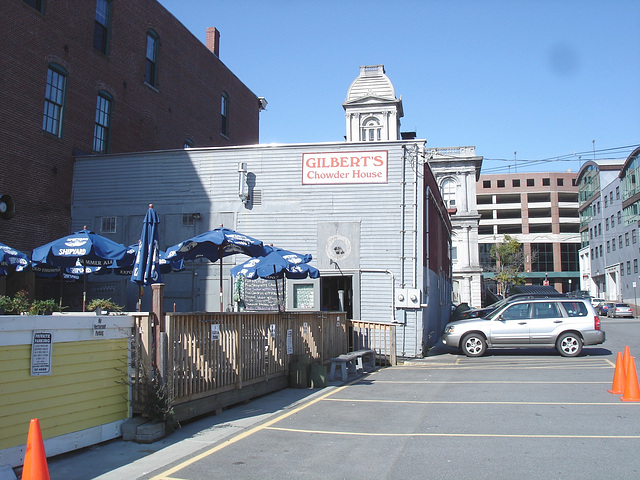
[
  {"x": 277, "y": 292},
  {"x": 220, "y": 258},
  {"x": 84, "y": 287},
  {"x": 61, "y": 278},
  {"x": 139, "y": 304}
]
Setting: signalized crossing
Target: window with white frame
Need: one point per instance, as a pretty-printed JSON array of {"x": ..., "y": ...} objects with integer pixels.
[
  {"x": 448, "y": 190},
  {"x": 371, "y": 130}
]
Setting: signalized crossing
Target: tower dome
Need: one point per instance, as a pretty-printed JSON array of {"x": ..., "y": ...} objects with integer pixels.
[
  {"x": 372, "y": 82},
  {"x": 371, "y": 108}
]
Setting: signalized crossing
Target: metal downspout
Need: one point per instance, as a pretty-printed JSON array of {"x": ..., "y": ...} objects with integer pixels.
[
  {"x": 417, "y": 336},
  {"x": 426, "y": 247},
  {"x": 403, "y": 208}
]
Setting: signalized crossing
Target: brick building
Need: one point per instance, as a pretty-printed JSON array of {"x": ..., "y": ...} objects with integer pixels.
[{"x": 83, "y": 77}]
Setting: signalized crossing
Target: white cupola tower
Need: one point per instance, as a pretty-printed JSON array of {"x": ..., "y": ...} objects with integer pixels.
[{"x": 372, "y": 110}]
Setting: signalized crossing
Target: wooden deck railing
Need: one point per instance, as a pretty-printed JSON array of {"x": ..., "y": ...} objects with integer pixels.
[
  {"x": 377, "y": 336},
  {"x": 208, "y": 354}
]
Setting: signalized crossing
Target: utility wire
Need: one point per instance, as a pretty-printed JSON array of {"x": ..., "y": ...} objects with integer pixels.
[{"x": 569, "y": 157}]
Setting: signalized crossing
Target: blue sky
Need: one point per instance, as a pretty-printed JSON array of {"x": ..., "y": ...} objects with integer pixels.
[{"x": 541, "y": 78}]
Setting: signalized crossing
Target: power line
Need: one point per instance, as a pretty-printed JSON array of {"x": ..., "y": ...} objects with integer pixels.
[{"x": 575, "y": 156}]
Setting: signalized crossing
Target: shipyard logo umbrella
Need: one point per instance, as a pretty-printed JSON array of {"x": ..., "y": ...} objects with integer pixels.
[
  {"x": 125, "y": 266},
  {"x": 146, "y": 269},
  {"x": 214, "y": 245},
  {"x": 83, "y": 248},
  {"x": 278, "y": 263},
  {"x": 13, "y": 259}
]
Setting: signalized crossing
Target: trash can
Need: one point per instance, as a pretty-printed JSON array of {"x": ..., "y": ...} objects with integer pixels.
[
  {"x": 299, "y": 371},
  {"x": 318, "y": 375}
]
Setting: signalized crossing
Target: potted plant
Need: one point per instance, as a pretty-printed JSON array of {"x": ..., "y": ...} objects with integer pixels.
[{"x": 103, "y": 306}]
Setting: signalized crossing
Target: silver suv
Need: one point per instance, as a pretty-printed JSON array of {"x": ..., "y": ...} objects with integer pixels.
[{"x": 561, "y": 322}]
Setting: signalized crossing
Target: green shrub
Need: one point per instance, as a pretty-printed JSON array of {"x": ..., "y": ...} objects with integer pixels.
[
  {"x": 103, "y": 304},
  {"x": 20, "y": 304}
]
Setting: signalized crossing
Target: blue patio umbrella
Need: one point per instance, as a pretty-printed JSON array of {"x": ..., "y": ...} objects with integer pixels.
[
  {"x": 146, "y": 268},
  {"x": 214, "y": 245},
  {"x": 12, "y": 259},
  {"x": 125, "y": 266},
  {"x": 278, "y": 263},
  {"x": 83, "y": 248}
]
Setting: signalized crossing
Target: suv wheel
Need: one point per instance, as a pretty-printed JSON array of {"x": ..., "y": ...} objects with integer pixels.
[
  {"x": 473, "y": 345},
  {"x": 569, "y": 344}
]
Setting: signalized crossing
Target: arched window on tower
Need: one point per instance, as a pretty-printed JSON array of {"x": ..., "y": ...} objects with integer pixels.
[
  {"x": 371, "y": 130},
  {"x": 448, "y": 190}
]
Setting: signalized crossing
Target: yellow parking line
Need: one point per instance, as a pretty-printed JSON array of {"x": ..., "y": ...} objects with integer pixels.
[
  {"x": 511, "y": 366},
  {"x": 165, "y": 475},
  {"x": 478, "y": 435},
  {"x": 475, "y": 382},
  {"x": 455, "y": 402}
]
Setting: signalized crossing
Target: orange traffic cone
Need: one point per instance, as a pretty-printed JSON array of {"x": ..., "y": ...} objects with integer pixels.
[
  {"x": 631, "y": 389},
  {"x": 35, "y": 461},
  {"x": 619, "y": 376},
  {"x": 626, "y": 358}
]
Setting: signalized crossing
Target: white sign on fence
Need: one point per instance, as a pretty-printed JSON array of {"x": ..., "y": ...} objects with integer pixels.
[
  {"x": 289, "y": 342},
  {"x": 215, "y": 332},
  {"x": 41, "y": 352},
  {"x": 99, "y": 328}
]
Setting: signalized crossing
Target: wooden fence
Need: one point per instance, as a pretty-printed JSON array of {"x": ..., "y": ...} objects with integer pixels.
[
  {"x": 377, "y": 336},
  {"x": 210, "y": 354},
  {"x": 212, "y": 360}
]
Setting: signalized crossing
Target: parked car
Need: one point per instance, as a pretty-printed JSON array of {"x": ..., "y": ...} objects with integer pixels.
[
  {"x": 604, "y": 307},
  {"x": 596, "y": 302},
  {"x": 620, "y": 310},
  {"x": 561, "y": 322},
  {"x": 483, "y": 312}
]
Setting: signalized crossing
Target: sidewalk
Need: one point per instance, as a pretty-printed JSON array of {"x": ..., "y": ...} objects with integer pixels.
[{"x": 118, "y": 460}]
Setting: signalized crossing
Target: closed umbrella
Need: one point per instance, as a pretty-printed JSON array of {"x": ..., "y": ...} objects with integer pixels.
[
  {"x": 214, "y": 245},
  {"x": 146, "y": 269},
  {"x": 86, "y": 248}
]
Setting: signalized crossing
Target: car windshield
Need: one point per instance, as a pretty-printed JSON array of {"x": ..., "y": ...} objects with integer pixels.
[
  {"x": 493, "y": 314},
  {"x": 622, "y": 305}
]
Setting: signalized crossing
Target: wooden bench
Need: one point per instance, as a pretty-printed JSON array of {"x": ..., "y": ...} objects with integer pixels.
[{"x": 352, "y": 362}]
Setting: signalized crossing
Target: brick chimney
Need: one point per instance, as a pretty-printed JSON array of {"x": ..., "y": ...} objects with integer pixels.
[{"x": 213, "y": 40}]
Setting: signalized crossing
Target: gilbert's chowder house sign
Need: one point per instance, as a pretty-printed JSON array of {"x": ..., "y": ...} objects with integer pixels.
[{"x": 344, "y": 167}]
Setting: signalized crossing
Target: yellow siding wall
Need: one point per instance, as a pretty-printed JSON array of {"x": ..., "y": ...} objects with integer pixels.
[{"x": 87, "y": 387}]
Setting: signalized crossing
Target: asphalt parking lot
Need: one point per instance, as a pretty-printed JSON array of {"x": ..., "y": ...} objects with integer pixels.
[{"x": 510, "y": 414}]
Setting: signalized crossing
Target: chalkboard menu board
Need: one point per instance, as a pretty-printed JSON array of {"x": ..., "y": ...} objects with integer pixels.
[{"x": 260, "y": 295}]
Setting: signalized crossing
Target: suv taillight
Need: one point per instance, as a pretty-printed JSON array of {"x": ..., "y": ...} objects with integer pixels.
[{"x": 596, "y": 322}]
